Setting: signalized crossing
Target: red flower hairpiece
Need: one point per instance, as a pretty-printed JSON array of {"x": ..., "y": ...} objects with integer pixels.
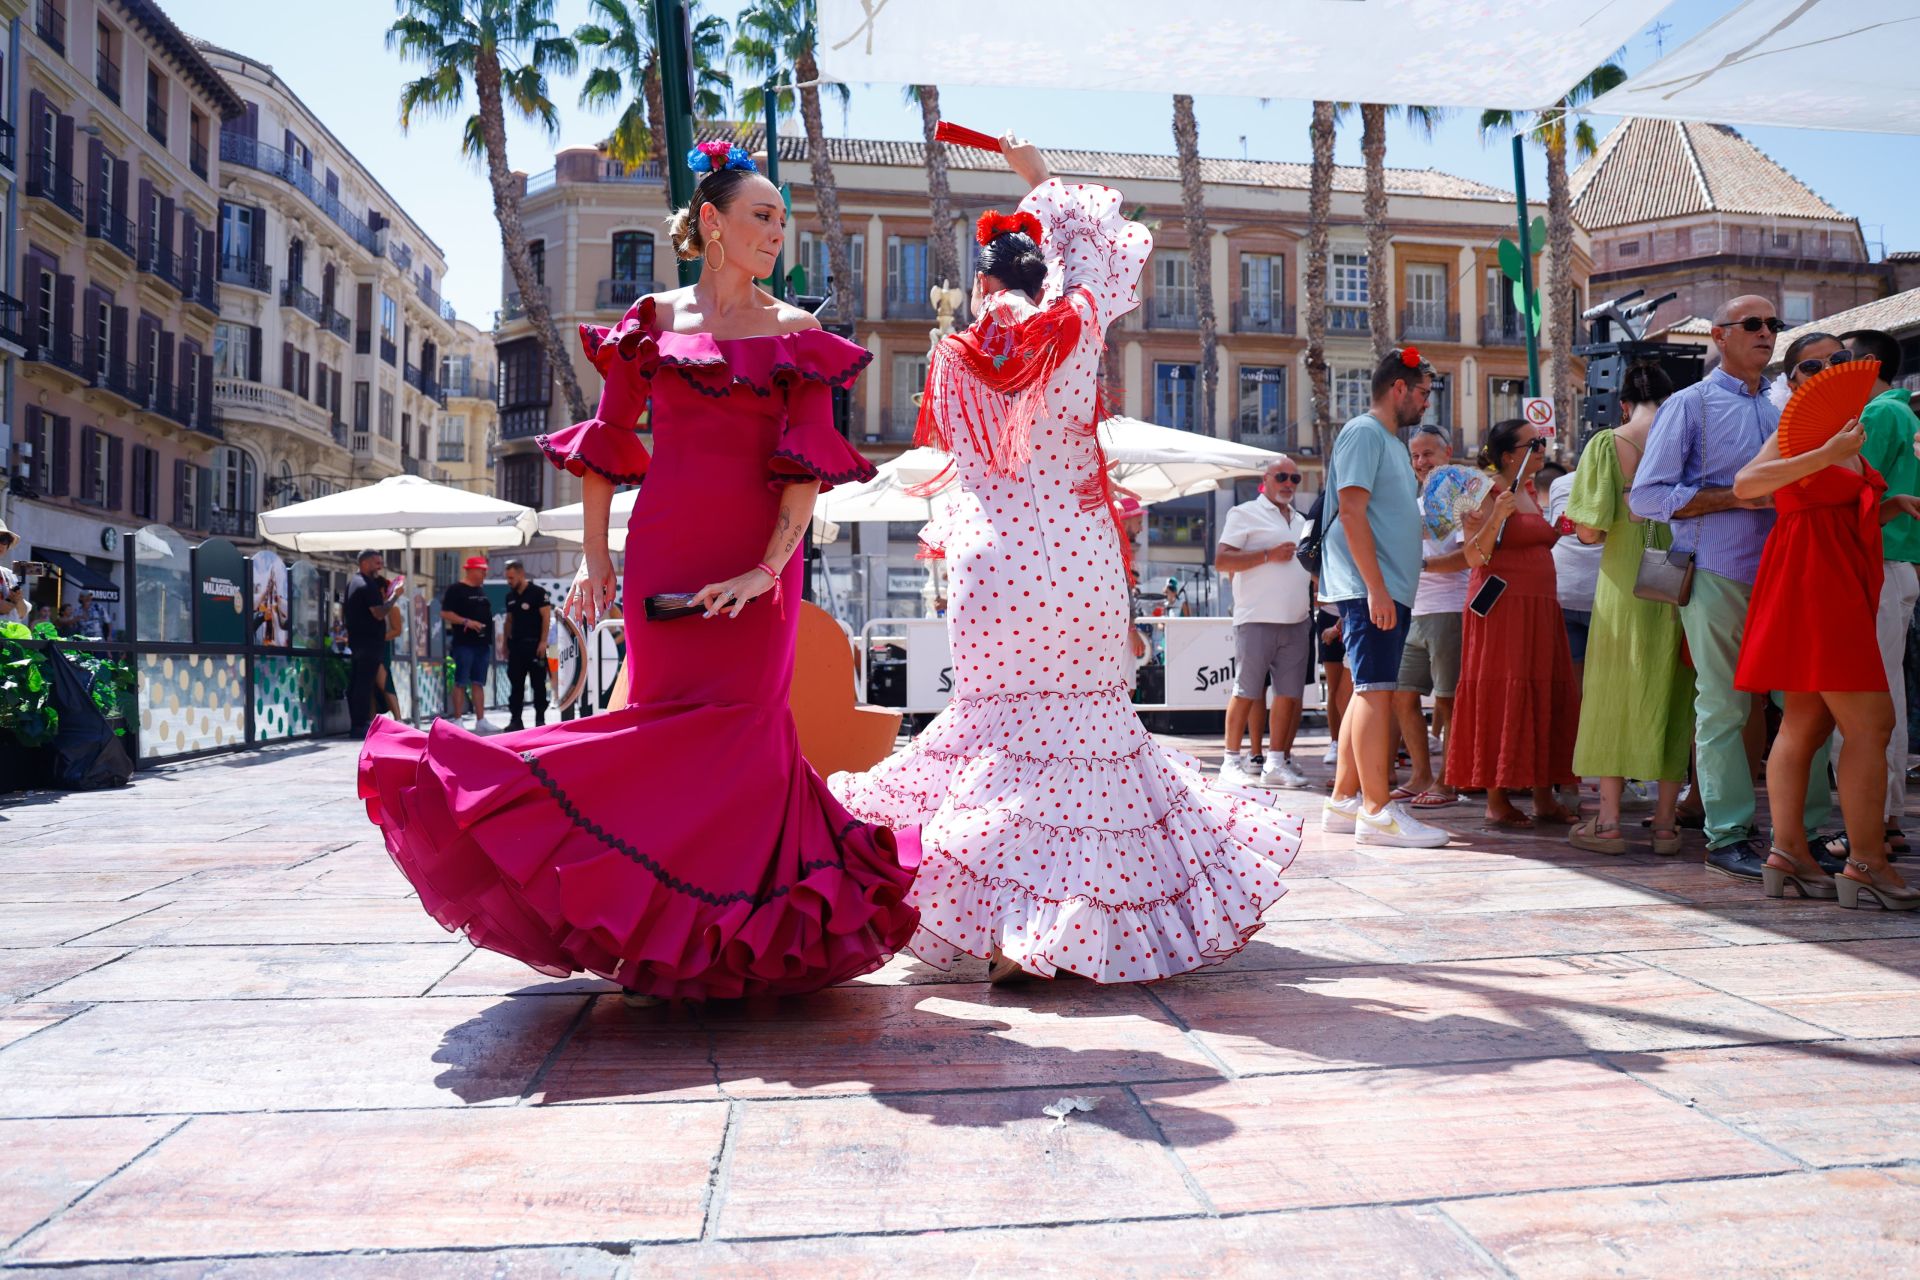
[
  {"x": 1410, "y": 357},
  {"x": 994, "y": 223}
]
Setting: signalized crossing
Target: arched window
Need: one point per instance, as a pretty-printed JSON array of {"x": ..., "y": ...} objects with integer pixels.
[
  {"x": 632, "y": 263},
  {"x": 235, "y": 482},
  {"x": 284, "y": 490}
]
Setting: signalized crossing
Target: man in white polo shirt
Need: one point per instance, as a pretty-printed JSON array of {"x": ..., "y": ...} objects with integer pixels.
[{"x": 1272, "y": 626}]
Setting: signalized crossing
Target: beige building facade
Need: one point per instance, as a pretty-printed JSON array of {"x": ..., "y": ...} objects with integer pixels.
[
  {"x": 116, "y": 246},
  {"x": 332, "y": 331}
]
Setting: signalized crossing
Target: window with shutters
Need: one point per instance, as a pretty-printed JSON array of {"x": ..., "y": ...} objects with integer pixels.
[
  {"x": 297, "y": 261},
  {"x": 103, "y": 192},
  {"x": 157, "y": 104},
  {"x": 1173, "y": 296},
  {"x": 1263, "y": 289},
  {"x": 144, "y": 497},
  {"x": 50, "y": 149},
  {"x": 1352, "y": 393},
  {"x": 106, "y": 59},
  {"x": 1426, "y": 301},
  {"x": 234, "y": 481},
  {"x": 907, "y": 276},
  {"x": 191, "y": 366},
  {"x": 909, "y": 376},
  {"x": 386, "y": 414},
  {"x": 186, "y": 495},
  {"x": 237, "y": 234},
  {"x": 814, "y": 258},
  {"x": 406, "y": 436},
  {"x": 231, "y": 343},
  {"x": 93, "y": 466},
  {"x": 633, "y": 261},
  {"x": 45, "y": 309},
  {"x": 104, "y": 355},
  {"x": 362, "y": 406},
  {"x": 537, "y": 260},
  {"x": 453, "y": 438},
  {"x": 302, "y": 368}
]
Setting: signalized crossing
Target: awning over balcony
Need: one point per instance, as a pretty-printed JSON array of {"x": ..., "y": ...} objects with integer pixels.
[{"x": 79, "y": 576}]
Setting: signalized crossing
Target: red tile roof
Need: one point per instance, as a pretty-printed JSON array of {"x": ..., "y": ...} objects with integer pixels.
[{"x": 1646, "y": 170}]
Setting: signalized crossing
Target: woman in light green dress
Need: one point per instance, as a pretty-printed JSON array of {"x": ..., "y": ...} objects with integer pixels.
[{"x": 1636, "y": 708}]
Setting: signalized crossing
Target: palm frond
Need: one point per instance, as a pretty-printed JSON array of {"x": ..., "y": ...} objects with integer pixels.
[
  {"x": 603, "y": 87},
  {"x": 555, "y": 55},
  {"x": 473, "y": 143},
  {"x": 1424, "y": 120},
  {"x": 438, "y": 93},
  {"x": 631, "y": 142},
  {"x": 1494, "y": 122}
]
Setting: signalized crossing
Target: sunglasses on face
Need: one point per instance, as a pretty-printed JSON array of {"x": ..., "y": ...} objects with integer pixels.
[
  {"x": 1754, "y": 324},
  {"x": 1285, "y": 477},
  {"x": 1536, "y": 445},
  {"x": 1807, "y": 368}
]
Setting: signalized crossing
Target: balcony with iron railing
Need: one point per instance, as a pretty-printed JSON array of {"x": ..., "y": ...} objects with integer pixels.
[
  {"x": 1281, "y": 437},
  {"x": 159, "y": 261},
  {"x": 157, "y": 120},
  {"x": 413, "y": 375},
  {"x": 13, "y": 322},
  {"x": 302, "y": 299},
  {"x": 248, "y": 273},
  {"x": 1171, "y": 313},
  {"x": 197, "y": 157},
  {"x": 617, "y": 293},
  {"x": 62, "y": 351},
  {"x": 106, "y": 75},
  {"x": 1502, "y": 329},
  {"x": 249, "y": 153},
  {"x": 896, "y": 426},
  {"x": 335, "y": 322},
  {"x": 512, "y": 307},
  {"x": 196, "y": 286},
  {"x": 451, "y": 451},
  {"x": 50, "y": 24},
  {"x": 49, "y": 182},
  {"x": 909, "y": 306},
  {"x": 592, "y": 167},
  {"x": 388, "y": 351},
  {"x": 116, "y": 377},
  {"x": 1429, "y": 322},
  {"x": 400, "y": 255},
  {"x": 1260, "y": 316},
  {"x": 112, "y": 229},
  {"x": 427, "y": 295},
  {"x": 232, "y": 524},
  {"x": 467, "y": 386},
  {"x": 1348, "y": 318}
]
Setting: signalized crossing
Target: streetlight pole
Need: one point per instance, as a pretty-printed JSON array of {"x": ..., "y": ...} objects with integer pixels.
[
  {"x": 670, "y": 40},
  {"x": 771, "y": 96}
]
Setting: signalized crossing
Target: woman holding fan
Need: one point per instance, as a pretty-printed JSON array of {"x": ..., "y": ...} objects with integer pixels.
[
  {"x": 1823, "y": 558},
  {"x": 1056, "y": 835}
]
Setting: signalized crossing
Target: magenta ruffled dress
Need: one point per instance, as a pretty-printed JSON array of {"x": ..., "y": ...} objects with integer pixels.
[{"x": 681, "y": 847}]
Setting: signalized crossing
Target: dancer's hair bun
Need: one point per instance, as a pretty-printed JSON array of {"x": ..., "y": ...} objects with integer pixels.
[{"x": 1015, "y": 260}]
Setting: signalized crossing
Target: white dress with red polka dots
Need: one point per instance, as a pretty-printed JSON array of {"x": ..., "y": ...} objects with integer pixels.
[{"x": 1052, "y": 825}]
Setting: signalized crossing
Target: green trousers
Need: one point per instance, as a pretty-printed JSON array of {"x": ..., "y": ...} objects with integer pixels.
[{"x": 1714, "y": 619}]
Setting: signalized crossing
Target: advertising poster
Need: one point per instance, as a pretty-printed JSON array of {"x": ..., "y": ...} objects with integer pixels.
[{"x": 272, "y": 612}]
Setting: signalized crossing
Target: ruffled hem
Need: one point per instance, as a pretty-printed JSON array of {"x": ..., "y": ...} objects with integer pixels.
[
  {"x": 1121, "y": 865},
  {"x": 510, "y": 858},
  {"x": 799, "y": 466},
  {"x": 600, "y": 447},
  {"x": 762, "y": 365}
]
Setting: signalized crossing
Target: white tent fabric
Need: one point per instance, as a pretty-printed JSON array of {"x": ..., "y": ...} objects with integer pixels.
[
  {"x": 1158, "y": 463},
  {"x": 1449, "y": 53},
  {"x": 400, "y": 511},
  {"x": 1805, "y": 64}
]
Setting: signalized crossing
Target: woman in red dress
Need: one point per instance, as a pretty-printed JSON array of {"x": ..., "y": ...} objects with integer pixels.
[
  {"x": 681, "y": 847},
  {"x": 1516, "y": 711},
  {"x": 1810, "y": 634}
]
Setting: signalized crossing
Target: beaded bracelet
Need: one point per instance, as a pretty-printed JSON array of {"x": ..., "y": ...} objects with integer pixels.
[{"x": 779, "y": 601}]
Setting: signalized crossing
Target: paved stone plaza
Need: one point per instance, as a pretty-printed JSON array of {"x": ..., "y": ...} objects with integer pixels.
[{"x": 235, "y": 1046}]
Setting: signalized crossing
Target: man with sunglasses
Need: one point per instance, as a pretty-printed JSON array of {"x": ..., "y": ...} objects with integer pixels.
[
  {"x": 1702, "y": 437},
  {"x": 1272, "y": 627}
]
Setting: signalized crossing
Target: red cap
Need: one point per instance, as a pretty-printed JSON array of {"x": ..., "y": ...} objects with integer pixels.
[{"x": 475, "y": 562}]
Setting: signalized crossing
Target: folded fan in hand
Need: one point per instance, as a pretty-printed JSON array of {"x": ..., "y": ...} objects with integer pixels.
[
  {"x": 1825, "y": 403},
  {"x": 1451, "y": 492},
  {"x": 961, "y": 136}
]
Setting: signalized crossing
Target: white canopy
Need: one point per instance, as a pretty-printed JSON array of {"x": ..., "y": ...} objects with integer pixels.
[
  {"x": 1807, "y": 64},
  {"x": 1519, "y": 54},
  {"x": 400, "y": 511},
  {"x": 1157, "y": 463}
]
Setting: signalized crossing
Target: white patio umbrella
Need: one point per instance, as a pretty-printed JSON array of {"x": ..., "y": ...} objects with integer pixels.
[{"x": 410, "y": 512}]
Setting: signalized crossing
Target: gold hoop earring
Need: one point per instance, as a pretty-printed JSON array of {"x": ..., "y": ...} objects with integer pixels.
[{"x": 706, "y": 254}]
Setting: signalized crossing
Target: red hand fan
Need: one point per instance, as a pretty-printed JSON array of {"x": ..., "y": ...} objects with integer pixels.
[
  {"x": 1825, "y": 403},
  {"x": 964, "y": 137}
]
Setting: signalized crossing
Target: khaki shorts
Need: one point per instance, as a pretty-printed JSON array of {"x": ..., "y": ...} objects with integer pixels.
[{"x": 1431, "y": 661}]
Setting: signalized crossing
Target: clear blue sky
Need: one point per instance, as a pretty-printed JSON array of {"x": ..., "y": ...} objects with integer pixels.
[{"x": 343, "y": 71}]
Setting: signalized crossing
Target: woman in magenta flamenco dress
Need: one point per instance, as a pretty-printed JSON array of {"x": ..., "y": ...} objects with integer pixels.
[
  {"x": 1056, "y": 834},
  {"x": 681, "y": 847}
]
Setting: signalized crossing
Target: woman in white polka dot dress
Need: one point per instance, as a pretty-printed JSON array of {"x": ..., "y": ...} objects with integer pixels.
[{"x": 1055, "y": 834}]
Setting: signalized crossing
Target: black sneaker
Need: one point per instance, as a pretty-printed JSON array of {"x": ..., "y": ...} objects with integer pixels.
[
  {"x": 1738, "y": 861},
  {"x": 515, "y": 725}
]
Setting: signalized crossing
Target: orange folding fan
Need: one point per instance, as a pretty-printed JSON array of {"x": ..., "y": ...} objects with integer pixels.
[{"x": 1825, "y": 403}]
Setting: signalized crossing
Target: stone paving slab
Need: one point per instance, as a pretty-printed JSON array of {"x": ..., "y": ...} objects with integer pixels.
[{"x": 228, "y": 1052}]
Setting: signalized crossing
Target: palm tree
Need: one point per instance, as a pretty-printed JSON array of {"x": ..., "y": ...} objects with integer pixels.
[
  {"x": 943, "y": 264},
  {"x": 1186, "y": 139},
  {"x": 1373, "y": 147},
  {"x": 777, "y": 38},
  {"x": 620, "y": 42},
  {"x": 507, "y": 48},
  {"x": 1326, "y": 118},
  {"x": 1551, "y": 127}
]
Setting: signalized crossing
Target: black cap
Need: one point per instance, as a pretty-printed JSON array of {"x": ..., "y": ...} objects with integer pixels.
[{"x": 364, "y": 554}]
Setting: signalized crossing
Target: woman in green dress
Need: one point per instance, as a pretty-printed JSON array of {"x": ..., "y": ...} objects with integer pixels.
[{"x": 1636, "y": 709}]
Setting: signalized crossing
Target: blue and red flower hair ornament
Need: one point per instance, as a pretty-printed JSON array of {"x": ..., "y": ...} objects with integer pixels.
[{"x": 711, "y": 157}]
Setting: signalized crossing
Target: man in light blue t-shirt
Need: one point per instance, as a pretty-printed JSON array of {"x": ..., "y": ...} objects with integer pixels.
[{"x": 1370, "y": 571}]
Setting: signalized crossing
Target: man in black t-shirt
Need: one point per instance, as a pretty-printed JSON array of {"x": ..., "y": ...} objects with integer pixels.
[
  {"x": 469, "y": 618},
  {"x": 529, "y": 614},
  {"x": 366, "y": 619}
]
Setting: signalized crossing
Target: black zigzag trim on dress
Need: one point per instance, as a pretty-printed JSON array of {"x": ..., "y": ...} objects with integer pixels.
[
  {"x": 653, "y": 868},
  {"x": 685, "y": 368},
  {"x": 861, "y": 471},
  {"x": 561, "y": 460}
]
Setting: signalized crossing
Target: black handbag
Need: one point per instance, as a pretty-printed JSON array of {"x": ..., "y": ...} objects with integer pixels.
[{"x": 1308, "y": 553}]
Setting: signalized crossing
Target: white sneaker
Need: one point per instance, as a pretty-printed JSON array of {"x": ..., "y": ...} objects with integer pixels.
[
  {"x": 1637, "y": 797},
  {"x": 484, "y": 728},
  {"x": 1337, "y": 816},
  {"x": 1281, "y": 771},
  {"x": 1333, "y": 754},
  {"x": 1395, "y": 827},
  {"x": 1238, "y": 771},
  {"x": 1433, "y": 744}
]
